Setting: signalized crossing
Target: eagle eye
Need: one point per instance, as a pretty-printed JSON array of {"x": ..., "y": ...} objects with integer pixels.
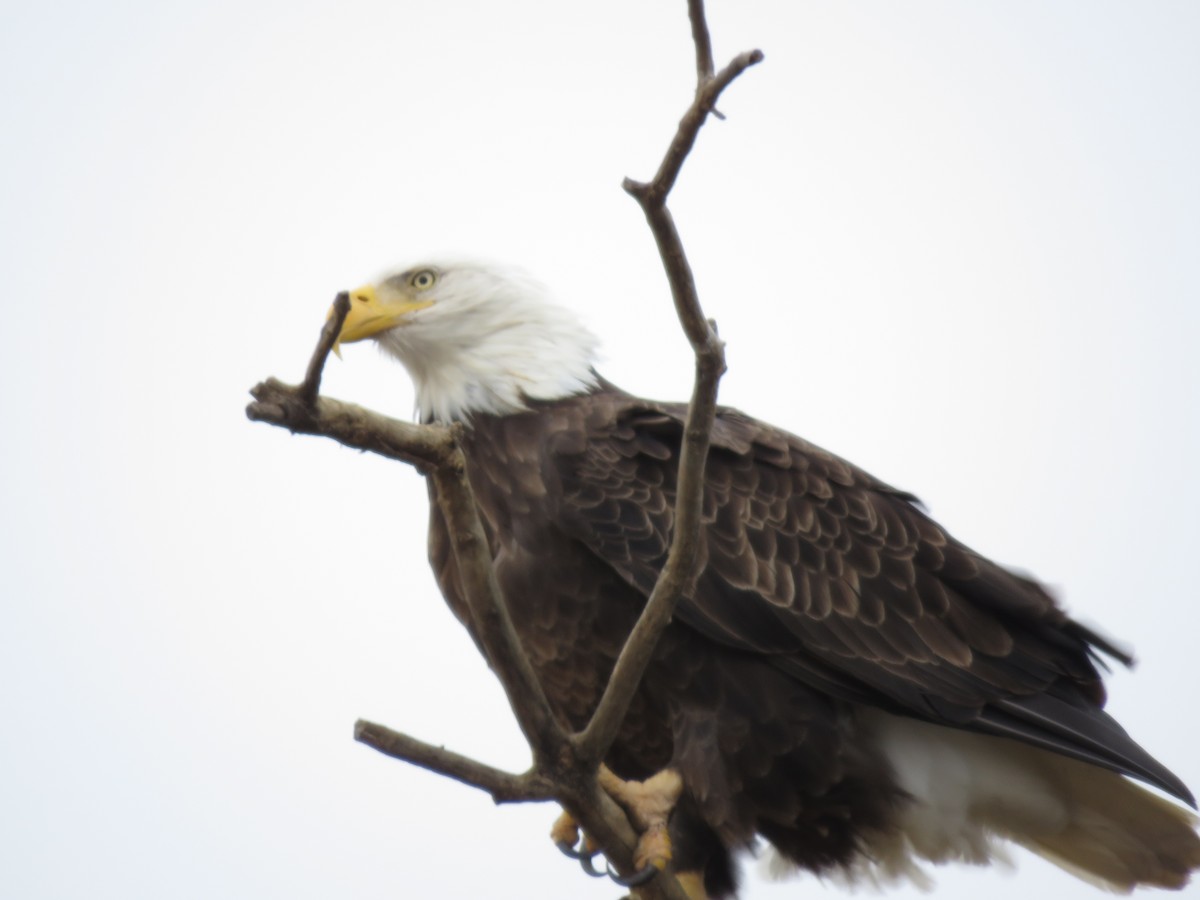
[{"x": 423, "y": 280}]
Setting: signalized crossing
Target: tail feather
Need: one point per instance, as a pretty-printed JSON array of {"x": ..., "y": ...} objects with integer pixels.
[
  {"x": 968, "y": 789},
  {"x": 1118, "y": 833}
]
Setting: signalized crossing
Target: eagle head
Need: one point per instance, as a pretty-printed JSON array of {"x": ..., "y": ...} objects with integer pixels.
[{"x": 475, "y": 338}]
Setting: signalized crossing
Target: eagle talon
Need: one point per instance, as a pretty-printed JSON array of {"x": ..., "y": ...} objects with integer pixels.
[
  {"x": 637, "y": 879},
  {"x": 649, "y": 804}
]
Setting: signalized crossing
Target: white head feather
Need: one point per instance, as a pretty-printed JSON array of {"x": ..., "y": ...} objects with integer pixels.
[{"x": 491, "y": 339}]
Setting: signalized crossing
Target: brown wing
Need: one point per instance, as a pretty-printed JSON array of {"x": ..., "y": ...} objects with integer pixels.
[{"x": 842, "y": 582}]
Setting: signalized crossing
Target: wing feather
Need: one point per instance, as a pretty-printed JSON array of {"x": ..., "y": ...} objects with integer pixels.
[{"x": 842, "y": 582}]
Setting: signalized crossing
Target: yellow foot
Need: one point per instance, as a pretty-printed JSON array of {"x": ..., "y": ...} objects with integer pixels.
[
  {"x": 649, "y": 804},
  {"x": 565, "y": 830}
]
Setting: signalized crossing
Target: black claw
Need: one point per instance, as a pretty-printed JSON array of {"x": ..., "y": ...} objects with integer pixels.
[
  {"x": 585, "y": 857},
  {"x": 568, "y": 850},
  {"x": 637, "y": 879},
  {"x": 585, "y": 863}
]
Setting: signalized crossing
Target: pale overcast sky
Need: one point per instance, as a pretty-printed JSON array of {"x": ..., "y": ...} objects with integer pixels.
[{"x": 955, "y": 242}]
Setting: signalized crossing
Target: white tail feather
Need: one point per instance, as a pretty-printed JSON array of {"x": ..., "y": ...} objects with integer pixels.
[{"x": 968, "y": 789}]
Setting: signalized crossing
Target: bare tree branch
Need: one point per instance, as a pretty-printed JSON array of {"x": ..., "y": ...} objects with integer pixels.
[
  {"x": 679, "y": 574},
  {"x": 689, "y": 128},
  {"x": 504, "y": 787},
  {"x": 423, "y": 446},
  {"x": 704, "y": 54},
  {"x": 311, "y": 386}
]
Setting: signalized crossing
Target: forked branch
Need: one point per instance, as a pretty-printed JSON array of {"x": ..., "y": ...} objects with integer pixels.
[
  {"x": 433, "y": 449},
  {"x": 565, "y": 767}
]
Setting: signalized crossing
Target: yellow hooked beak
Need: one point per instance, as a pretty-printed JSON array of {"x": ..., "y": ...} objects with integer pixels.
[{"x": 369, "y": 315}]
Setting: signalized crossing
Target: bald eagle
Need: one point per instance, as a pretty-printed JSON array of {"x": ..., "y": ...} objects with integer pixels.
[{"x": 846, "y": 681}]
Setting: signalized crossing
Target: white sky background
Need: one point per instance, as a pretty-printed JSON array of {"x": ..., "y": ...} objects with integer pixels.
[{"x": 956, "y": 243}]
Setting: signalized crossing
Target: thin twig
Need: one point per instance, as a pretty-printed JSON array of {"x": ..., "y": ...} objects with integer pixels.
[
  {"x": 504, "y": 787},
  {"x": 664, "y": 179},
  {"x": 680, "y": 571},
  {"x": 700, "y": 37},
  {"x": 311, "y": 386}
]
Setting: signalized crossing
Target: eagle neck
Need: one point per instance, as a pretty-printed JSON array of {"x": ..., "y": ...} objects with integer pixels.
[{"x": 499, "y": 374}]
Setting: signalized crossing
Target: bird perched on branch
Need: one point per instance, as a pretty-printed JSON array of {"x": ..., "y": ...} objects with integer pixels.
[{"x": 846, "y": 680}]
